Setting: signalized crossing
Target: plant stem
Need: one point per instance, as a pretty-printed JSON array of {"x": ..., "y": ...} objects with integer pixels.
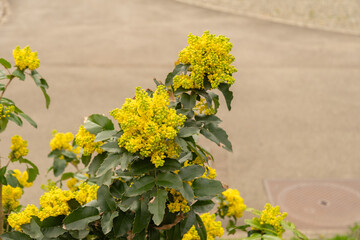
[{"x": 6, "y": 86}]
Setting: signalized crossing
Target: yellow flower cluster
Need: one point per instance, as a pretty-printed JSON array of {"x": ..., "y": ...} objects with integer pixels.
[
  {"x": 24, "y": 58},
  {"x": 203, "y": 108},
  {"x": 179, "y": 203},
  {"x": 22, "y": 178},
  {"x": 10, "y": 197},
  {"x": 86, "y": 193},
  {"x": 52, "y": 203},
  {"x": 272, "y": 216},
  {"x": 4, "y": 111},
  {"x": 15, "y": 220},
  {"x": 209, "y": 58},
  {"x": 86, "y": 140},
  {"x": 149, "y": 125},
  {"x": 71, "y": 184},
  {"x": 234, "y": 203},
  {"x": 213, "y": 228},
  {"x": 18, "y": 147}
]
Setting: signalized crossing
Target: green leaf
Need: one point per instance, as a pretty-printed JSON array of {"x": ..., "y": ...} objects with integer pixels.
[
  {"x": 73, "y": 204},
  {"x": 140, "y": 236},
  {"x": 114, "y": 160},
  {"x": 112, "y": 147},
  {"x": 187, "y": 192},
  {"x": 5, "y": 63},
  {"x": 111, "y": 161},
  {"x": 118, "y": 188},
  {"x": 188, "y": 101},
  {"x": 122, "y": 224},
  {"x": 203, "y": 206},
  {"x": 217, "y": 135},
  {"x": 188, "y": 222},
  {"x": 38, "y": 79},
  {"x": 182, "y": 143},
  {"x": 157, "y": 205},
  {"x": 270, "y": 237},
  {"x": 107, "y": 221},
  {"x": 79, "y": 234},
  {"x": 141, "y": 166},
  {"x": 142, "y": 217},
  {"x": 140, "y": 186},
  {"x": 32, "y": 173},
  {"x": 190, "y": 172},
  {"x": 52, "y": 221},
  {"x": 208, "y": 119},
  {"x": 47, "y": 97},
  {"x": 132, "y": 203},
  {"x": 207, "y": 187},
  {"x": 80, "y": 218},
  {"x": 200, "y": 228},
  {"x": 104, "y": 135},
  {"x": 170, "y": 165},
  {"x": 169, "y": 180},
  {"x": 96, "y": 123},
  {"x": 58, "y": 166},
  {"x": 53, "y": 232},
  {"x": 228, "y": 95},
  {"x": 19, "y": 74},
  {"x": 184, "y": 156},
  {"x": 188, "y": 131},
  {"x": 105, "y": 179},
  {"x": 105, "y": 199},
  {"x": 85, "y": 159},
  {"x": 15, "y": 236},
  {"x": 96, "y": 163},
  {"x": 67, "y": 175},
  {"x": 32, "y": 229},
  {"x": 12, "y": 117},
  {"x": 3, "y": 75},
  {"x": 205, "y": 95},
  {"x": 11, "y": 180},
  {"x": 28, "y": 119},
  {"x": 254, "y": 236}
]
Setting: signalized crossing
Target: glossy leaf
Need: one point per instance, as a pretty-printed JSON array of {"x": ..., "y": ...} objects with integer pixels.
[
  {"x": 140, "y": 186},
  {"x": 217, "y": 135},
  {"x": 80, "y": 218},
  {"x": 32, "y": 229},
  {"x": 122, "y": 224},
  {"x": 105, "y": 199},
  {"x": 96, "y": 123},
  {"x": 107, "y": 221},
  {"x": 228, "y": 95},
  {"x": 203, "y": 206},
  {"x": 15, "y": 236},
  {"x": 104, "y": 135},
  {"x": 5, "y": 63},
  {"x": 58, "y": 166},
  {"x": 188, "y": 131},
  {"x": 207, "y": 187},
  {"x": 190, "y": 172},
  {"x": 19, "y": 74},
  {"x": 142, "y": 217},
  {"x": 169, "y": 180},
  {"x": 157, "y": 205}
]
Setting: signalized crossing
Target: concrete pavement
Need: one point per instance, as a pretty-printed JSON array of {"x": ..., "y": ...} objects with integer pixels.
[{"x": 296, "y": 108}]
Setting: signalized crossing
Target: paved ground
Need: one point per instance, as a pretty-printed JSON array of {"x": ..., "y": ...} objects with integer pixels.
[
  {"x": 339, "y": 15},
  {"x": 296, "y": 110}
]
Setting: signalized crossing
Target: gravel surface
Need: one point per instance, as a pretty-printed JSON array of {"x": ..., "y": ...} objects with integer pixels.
[{"x": 336, "y": 15}]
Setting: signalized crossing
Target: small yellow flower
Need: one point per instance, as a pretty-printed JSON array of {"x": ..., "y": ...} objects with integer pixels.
[
  {"x": 15, "y": 220},
  {"x": 22, "y": 178},
  {"x": 10, "y": 197},
  {"x": 86, "y": 193},
  {"x": 149, "y": 125},
  {"x": 234, "y": 203},
  {"x": 272, "y": 216},
  {"x": 24, "y": 58},
  {"x": 213, "y": 228},
  {"x": 209, "y": 58},
  {"x": 6, "y": 110},
  {"x": 18, "y": 147},
  {"x": 86, "y": 140},
  {"x": 179, "y": 203}
]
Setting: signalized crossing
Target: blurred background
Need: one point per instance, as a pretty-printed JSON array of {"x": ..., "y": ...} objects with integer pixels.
[{"x": 295, "y": 121}]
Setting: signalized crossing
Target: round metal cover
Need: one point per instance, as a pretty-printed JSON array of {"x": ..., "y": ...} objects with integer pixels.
[{"x": 321, "y": 204}]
